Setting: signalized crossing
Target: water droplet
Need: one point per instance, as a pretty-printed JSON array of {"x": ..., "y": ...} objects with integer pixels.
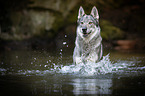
[
  {"x": 31, "y": 62},
  {"x": 118, "y": 77},
  {"x": 64, "y": 43},
  {"x": 53, "y": 64},
  {"x": 16, "y": 56}
]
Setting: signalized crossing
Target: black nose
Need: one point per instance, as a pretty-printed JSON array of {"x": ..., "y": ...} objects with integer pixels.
[{"x": 84, "y": 30}]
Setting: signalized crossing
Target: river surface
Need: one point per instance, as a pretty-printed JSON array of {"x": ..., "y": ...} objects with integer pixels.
[{"x": 52, "y": 73}]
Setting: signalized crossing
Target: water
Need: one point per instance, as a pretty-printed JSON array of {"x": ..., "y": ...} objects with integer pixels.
[{"x": 51, "y": 73}]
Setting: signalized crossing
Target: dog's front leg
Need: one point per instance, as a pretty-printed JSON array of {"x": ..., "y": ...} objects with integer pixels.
[
  {"x": 92, "y": 58},
  {"x": 77, "y": 59}
]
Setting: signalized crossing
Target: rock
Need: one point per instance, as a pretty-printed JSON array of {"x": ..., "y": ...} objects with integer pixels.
[
  {"x": 39, "y": 18},
  {"x": 61, "y": 6},
  {"x": 30, "y": 23}
]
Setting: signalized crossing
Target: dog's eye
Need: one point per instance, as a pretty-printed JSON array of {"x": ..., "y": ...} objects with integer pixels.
[
  {"x": 90, "y": 22},
  {"x": 82, "y": 22}
]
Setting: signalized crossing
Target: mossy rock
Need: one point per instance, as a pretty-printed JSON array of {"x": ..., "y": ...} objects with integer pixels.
[
  {"x": 110, "y": 32},
  {"x": 31, "y": 23}
]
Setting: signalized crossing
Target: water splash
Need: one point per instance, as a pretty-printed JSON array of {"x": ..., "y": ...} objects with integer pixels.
[
  {"x": 105, "y": 66},
  {"x": 102, "y": 67}
]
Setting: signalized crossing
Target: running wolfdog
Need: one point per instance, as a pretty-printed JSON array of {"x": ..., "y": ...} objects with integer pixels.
[{"x": 88, "y": 46}]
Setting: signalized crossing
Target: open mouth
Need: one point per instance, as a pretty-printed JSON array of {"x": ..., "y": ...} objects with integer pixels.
[{"x": 86, "y": 34}]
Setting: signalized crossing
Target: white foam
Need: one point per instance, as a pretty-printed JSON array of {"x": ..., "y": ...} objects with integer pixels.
[{"x": 102, "y": 67}]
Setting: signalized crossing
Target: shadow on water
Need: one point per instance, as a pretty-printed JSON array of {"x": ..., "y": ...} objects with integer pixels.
[{"x": 41, "y": 73}]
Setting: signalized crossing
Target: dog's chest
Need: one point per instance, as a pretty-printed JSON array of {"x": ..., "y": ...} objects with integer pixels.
[{"x": 87, "y": 47}]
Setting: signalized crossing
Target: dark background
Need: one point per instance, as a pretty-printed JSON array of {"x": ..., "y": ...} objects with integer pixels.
[{"x": 44, "y": 24}]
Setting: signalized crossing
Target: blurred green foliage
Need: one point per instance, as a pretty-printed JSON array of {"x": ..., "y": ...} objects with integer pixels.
[{"x": 109, "y": 31}]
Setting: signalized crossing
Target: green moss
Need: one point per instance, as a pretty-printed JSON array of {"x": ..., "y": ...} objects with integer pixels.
[{"x": 108, "y": 31}]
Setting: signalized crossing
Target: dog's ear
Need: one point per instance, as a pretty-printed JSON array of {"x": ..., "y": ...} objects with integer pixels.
[
  {"x": 81, "y": 12},
  {"x": 94, "y": 13}
]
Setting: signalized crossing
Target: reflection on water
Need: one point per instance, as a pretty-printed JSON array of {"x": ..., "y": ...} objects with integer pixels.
[
  {"x": 40, "y": 73},
  {"x": 92, "y": 86},
  {"x": 75, "y": 86}
]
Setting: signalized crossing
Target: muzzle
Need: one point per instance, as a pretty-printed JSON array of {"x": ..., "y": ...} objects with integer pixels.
[{"x": 84, "y": 29}]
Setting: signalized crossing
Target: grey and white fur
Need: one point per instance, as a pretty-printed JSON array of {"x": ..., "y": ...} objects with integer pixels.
[{"x": 88, "y": 46}]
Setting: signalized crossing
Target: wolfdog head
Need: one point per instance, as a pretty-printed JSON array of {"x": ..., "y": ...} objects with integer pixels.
[{"x": 88, "y": 23}]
